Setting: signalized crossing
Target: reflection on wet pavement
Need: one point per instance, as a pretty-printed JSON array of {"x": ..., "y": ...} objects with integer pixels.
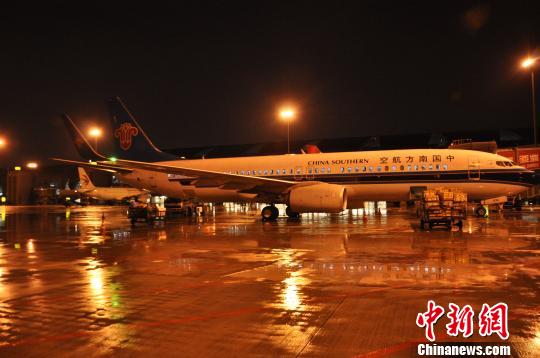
[{"x": 74, "y": 283}]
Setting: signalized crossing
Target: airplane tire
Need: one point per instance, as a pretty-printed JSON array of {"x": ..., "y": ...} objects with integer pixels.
[
  {"x": 291, "y": 214},
  {"x": 480, "y": 211},
  {"x": 269, "y": 213}
]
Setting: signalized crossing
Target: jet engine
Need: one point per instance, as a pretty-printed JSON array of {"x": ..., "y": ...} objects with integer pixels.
[{"x": 318, "y": 198}]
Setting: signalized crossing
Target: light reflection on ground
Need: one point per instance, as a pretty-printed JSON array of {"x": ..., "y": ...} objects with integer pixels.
[{"x": 83, "y": 281}]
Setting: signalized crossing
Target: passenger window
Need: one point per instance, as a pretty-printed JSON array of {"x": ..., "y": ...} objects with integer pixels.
[
  {"x": 386, "y": 168},
  {"x": 401, "y": 167},
  {"x": 423, "y": 167},
  {"x": 393, "y": 168},
  {"x": 363, "y": 169},
  {"x": 316, "y": 170},
  {"x": 329, "y": 170},
  {"x": 309, "y": 170},
  {"x": 342, "y": 169},
  {"x": 242, "y": 172},
  {"x": 438, "y": 167},
  {"x": 445, "y": 166},
  {"x": 379, "y": 168},
  {"x": 370, "y": 169},
  {"x": 431, "y": 167},
  {"x": 322, "y": 170},
  {"x": 349, "y": 169},
  {"x": 271, "y": 171},
  {"x": 356, "y": 169},
  {"x": 409, "y": 167},
  {"x": 277, "y": 171},
  {"x": 416, "y": 167},
  {"x": 298, "y": 171}
]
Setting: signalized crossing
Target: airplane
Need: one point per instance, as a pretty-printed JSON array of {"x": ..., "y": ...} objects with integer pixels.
[
  {"x": 105, "y": 193},
  {"x": 317, "y": 182}
]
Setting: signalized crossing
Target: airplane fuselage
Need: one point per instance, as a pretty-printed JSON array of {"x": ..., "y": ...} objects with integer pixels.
[
  {"x": 103, "y": 193},
  {"x": 373, "y": 175}
]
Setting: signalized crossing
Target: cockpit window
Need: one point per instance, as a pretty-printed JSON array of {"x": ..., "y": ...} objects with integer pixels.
[{"x": 504, "y": 163}]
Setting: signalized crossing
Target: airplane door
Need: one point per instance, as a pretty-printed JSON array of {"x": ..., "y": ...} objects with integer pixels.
[{"x": 474, "y": 168}]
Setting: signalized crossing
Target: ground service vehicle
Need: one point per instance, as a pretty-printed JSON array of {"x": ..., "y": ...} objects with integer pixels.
[
  {"x": 148, "y": 213},
  {"x": 443, "y": 206}
]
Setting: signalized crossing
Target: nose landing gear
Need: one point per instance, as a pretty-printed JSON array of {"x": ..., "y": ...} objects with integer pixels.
[{"x": 481, "y": 211}]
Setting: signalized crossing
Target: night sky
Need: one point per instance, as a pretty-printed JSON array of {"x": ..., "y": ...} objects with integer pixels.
[{"x": 202, "y": 73}]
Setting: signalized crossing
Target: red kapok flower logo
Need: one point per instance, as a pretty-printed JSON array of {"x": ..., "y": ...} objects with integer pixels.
[{"x": 124, "y": 134}]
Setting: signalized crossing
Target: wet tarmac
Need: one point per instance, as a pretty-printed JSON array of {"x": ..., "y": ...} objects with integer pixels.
[{"x": 75, "y": 284}]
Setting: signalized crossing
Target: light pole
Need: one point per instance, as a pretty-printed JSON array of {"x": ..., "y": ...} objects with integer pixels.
[
  {"x": 95, "y": 132},
  {"x": 287, "y": 114},
  {"x": 529, "y": 63}
]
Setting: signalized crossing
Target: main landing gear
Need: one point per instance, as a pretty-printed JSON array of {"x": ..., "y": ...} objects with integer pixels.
[
  {"x": 291, "y": 214},
  {"x": 271, "y": 213}
]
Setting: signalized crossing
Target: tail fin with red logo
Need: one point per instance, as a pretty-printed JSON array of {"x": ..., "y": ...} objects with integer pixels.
[
  {"x": 131, "y": 142},
  {"x": 84, "y": 180}
]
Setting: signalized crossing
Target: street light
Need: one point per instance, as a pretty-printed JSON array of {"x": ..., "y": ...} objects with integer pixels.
[
  {"x": 3, "y": 142},
  {"x": 32, "y": 165},
  {"x": 287, "y": 114},
  {"x": 529, "y": 63},
  {"x": 95, "y": 132}
]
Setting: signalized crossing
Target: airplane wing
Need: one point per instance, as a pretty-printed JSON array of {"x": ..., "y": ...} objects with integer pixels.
[
  {"x": 95, "y": 166},
  {"x": 200, "y": 177}
]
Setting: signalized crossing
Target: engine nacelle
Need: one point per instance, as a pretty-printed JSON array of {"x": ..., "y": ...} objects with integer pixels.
[{"x": 318, "y": 198}]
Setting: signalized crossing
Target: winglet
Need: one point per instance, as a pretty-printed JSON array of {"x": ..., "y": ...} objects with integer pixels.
[{"x": 83, "y": 147}]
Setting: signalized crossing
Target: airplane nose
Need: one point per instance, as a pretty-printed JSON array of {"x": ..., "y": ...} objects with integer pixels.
[{"x": 530, "y": 177}]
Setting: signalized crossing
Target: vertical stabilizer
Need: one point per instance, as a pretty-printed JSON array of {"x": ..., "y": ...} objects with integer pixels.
[
  {"x": 130, "y": 140},
  {"x": 85, "y": 182}
]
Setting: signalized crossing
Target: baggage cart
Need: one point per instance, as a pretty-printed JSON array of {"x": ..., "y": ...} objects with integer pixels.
[{"x": 443, "y": 207}]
